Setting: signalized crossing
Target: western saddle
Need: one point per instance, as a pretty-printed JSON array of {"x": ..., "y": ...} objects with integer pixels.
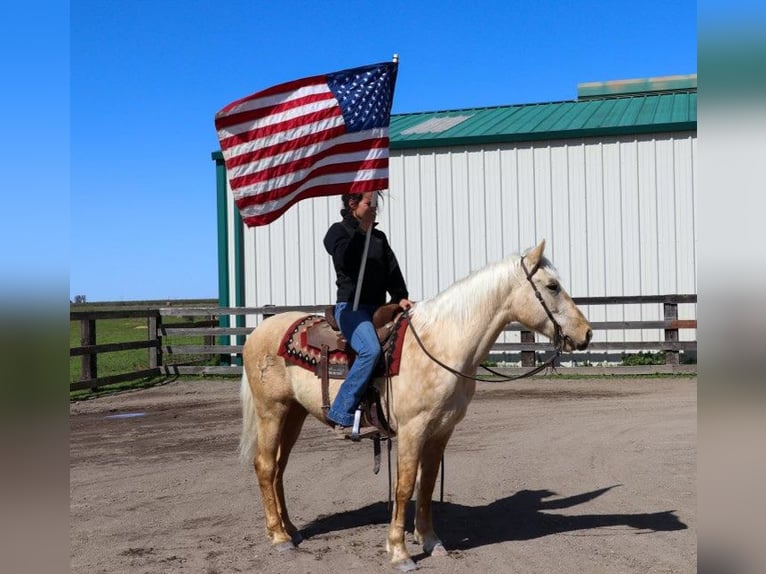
[{"x": 327, "y": 337}]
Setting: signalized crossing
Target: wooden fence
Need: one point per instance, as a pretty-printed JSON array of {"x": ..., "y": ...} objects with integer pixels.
[{"x": 213, "y": 327}]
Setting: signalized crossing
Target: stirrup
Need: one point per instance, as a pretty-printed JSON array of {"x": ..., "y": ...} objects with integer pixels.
[{"x": 355, "y": 436}]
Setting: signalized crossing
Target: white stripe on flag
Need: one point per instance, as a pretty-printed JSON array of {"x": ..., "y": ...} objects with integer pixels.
[
  {"x": 283, "y": 136},
  {"x": 292, "y": 177},
  {"x": 267, "y": 101},
  {"x": 330, "y": 179},
  {"x": 297, "y": 153},
  {"x": 287, "y": 115}
]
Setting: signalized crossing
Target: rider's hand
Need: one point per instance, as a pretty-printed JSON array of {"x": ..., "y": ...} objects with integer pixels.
[{"x": 367, "y": 219}]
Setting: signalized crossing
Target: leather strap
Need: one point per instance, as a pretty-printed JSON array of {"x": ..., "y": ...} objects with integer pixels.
[
  {"x": 324, "y": 364},
  {"x": 534, "y": 371},
  {"x": 376, "y": 454}
]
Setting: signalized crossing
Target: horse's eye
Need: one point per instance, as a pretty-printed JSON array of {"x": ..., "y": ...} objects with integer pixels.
[{"x": 553, "y": 286}]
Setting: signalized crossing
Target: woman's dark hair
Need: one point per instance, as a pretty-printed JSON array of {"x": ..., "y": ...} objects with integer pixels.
[{"x": 346, "y": 198}]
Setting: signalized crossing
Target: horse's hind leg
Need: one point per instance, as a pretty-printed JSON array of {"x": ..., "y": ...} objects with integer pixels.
[
  {"x": 429, "y": 468},
  {"x": 294, "y": 420},
  {"x": 270, "y": 437}
]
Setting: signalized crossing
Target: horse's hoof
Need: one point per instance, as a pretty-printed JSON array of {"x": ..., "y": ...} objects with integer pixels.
[
  {"x": 406, "y": 565},
  {"x": 297, "y": 538},
  {"x": 284, "y": 546},
  {"x": 438, "y": 550}
]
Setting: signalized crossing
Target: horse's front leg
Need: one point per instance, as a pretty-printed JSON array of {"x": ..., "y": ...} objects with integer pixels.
[
  {"x": 408, "y": 454},
  {"x": 430, "y": 459}
]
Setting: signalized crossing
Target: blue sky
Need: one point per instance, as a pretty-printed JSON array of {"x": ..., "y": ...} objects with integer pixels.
[{"x": 146, "y": 78}]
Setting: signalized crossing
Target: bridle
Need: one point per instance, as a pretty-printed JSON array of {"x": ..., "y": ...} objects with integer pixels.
[
  {"x": 558, "y": 334},
  {"x": 558, "y": 340}
]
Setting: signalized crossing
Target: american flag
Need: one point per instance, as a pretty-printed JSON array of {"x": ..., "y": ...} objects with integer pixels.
[{"x": 323, "y": 135}]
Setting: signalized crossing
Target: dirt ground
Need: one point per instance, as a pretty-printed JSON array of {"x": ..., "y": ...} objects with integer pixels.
[{"x": 545, "y": 476}]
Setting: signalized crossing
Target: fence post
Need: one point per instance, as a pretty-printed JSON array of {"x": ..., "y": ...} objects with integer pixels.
[
  {"x": 88, "y": 362},
  {"x": 155, "y": 334},
  {"x": 223, "y": 322},
  {"x": 670, "y": 312},
  {"x": 528, "y": 358},
  {"x": 209, "y": 340}
]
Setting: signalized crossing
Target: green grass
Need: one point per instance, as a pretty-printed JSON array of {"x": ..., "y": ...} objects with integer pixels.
[
  {"x": 118, "y": 362},
  {"x": 112, "y": 331}
]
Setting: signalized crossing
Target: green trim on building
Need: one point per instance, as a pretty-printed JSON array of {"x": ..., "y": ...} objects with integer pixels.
[
  {"x": 224, "y": 286},
  {"x": 239, "y": 273},
  {"x": 610, "y": 116},
  {"x": 223, "y": 244}
]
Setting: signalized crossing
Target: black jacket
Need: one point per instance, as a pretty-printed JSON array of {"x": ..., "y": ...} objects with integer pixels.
[{"x": 345, "y": 242}]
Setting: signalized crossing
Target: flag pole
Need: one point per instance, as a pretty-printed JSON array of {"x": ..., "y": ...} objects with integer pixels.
[
  {"x": 357, "y": 294},
  {"x": 373, "y": 205}
]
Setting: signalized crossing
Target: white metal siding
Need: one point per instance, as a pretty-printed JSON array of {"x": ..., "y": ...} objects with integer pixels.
[{"x": 617, "y": 213}]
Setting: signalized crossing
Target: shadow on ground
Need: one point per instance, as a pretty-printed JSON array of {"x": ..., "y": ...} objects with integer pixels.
[{"x": 522, "y": 516}]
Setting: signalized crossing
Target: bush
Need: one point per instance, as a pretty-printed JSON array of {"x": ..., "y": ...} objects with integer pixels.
[{"x": 643, "y": 358}]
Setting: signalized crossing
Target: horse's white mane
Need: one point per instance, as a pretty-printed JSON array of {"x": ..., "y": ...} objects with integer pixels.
[{"x": 474, "y": 293}]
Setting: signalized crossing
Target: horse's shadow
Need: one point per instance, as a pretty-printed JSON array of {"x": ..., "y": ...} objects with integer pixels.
[{"x": 522, "y": 516}]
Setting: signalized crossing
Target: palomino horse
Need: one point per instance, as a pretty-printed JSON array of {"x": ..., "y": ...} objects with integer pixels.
[{"x": 458, "y": 327}]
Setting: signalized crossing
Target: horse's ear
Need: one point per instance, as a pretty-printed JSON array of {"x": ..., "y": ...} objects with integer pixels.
[{"x": 535, "y": 255}]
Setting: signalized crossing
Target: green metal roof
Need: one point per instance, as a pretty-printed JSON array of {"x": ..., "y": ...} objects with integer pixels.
[{"x": 634, "y": 114}]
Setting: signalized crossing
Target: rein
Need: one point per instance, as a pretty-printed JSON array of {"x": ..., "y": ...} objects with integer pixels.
[{"x": 558, "y": 341}]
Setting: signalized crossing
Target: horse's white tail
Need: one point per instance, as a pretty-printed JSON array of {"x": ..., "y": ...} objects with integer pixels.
[{"x": 249, "y": 430}]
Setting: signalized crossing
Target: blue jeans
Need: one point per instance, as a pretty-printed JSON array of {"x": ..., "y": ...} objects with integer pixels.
[{"x": 359, "y": 331}]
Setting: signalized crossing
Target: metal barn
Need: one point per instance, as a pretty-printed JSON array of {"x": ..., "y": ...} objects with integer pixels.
[{"x": 607, "y": 179}]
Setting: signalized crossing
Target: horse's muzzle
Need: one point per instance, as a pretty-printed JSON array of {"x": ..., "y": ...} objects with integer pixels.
[{"x": 584, "y": 345}]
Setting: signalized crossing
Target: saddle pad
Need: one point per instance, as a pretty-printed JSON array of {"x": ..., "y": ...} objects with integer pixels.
[
  {"x": 295, "y": 350},
  {"x": 394, "y": 347}
]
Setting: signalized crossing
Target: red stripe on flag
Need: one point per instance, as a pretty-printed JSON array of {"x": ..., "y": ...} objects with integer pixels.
[
  {"x": 289, "y": 145},
  {"x": 284, "y": 126},
  {"x": 319, "y": 191},
  {"x": 252, "y": 115},
  {"x": 274, "y": 90},
  {"x": 270, "y": 172},
  {"x": 278, "y": 193}
]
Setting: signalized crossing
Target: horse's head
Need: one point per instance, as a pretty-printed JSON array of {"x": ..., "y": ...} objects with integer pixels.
[{"x": 541, "y": 303}]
